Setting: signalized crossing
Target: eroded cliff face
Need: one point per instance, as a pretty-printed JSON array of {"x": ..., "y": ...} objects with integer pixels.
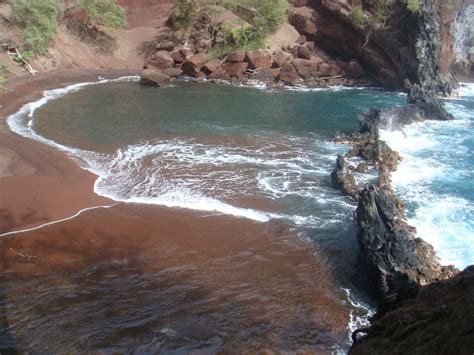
[
  {"x": 397, "y": 49},
  {"x": 463, "y": 32}
]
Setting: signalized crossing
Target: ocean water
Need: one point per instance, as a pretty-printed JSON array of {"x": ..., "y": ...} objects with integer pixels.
[
  {"x": 436, "y": 179},
  {"x": 262, "y": 155}
]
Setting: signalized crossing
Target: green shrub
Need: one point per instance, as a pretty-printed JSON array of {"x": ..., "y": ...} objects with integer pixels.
[
  {"x": 40, "y": 21},
  {"x": 27, "y": 55},
  {"x": 3, "y": 74},
  {"x": 220, "y": 50},
  {"x": 270, "y": 14},
  {"x": 357, "y": 16},
  {"x": 105, "y": 12},
  {"x": 183, "y": 13},
  {"x": 413, "y": 5}
]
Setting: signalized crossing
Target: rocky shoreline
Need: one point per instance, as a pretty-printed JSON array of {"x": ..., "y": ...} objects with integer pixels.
[
  {"x": 402, "y": 269},
  {"x": 294, "y": 66}
]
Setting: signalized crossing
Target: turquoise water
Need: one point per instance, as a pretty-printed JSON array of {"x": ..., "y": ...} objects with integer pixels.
[
  {"x": 263, "y": 155},
  {"x": 260, "y": 154}
]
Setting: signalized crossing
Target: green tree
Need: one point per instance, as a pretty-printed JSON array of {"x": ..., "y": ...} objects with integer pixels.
[
  {"x": 40, "y": 20},
  {"x": 105, "y": 12},
  {"x": 183, "y": 14},
  {"x": 270, "y": 15}
]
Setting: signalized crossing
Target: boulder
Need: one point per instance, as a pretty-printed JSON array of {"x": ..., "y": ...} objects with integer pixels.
[
  {"x": 395, "y": 258},
  {"x": 235, "y": 69},
  {"x": 421, "y": 106},
  {"x": 258, "y": 59},
  {"x": 302, "y": 19},
  {"x": 182, "y": 55},
  {"x": 165, "y": 45},
  {"x": 265, "y": 75},
  {"x": 304, "y": 52},
  {"x": 377, "y": 152},
  {"x": 354, "y": 69},
  {"x": 151, "y": 77},
  {"x": 343, "y": 180},
  {"x": 236, "y": 56},
  {"x": 305, "y": 68},
  {"x": 173, "y": 72},
  {"x": 335, "y": 70},
  {"x": 301, "y": 39},
  {"x": 288, "y": 74},
  {"x": 293, "y": 50},
  {"x": 212, "y": 66},
  {"x": 324, "y": 69},
  {"x": 219, "y": 74},
  {"x": 280, "y": 58},
  {"x": 193, "y": 66},
  {"x": 160, "y": 60},
  {"x": 310, "y": 45}
]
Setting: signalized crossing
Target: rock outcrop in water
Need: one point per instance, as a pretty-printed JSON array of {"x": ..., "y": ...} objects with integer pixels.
[
  {"x": 435, "y": 319},
  {"x": 342, "y": 179},
  {"x": 399, "y": 265},
  {"x": 396, "y": 259}
]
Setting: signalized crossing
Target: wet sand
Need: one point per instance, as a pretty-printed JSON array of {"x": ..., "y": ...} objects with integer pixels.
[
  {"x": 145, "y": 278},
  {"x": 39, "y": 184}
]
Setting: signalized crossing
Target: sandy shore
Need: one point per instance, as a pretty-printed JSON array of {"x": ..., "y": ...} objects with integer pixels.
[{"x": 39, "y": 184}]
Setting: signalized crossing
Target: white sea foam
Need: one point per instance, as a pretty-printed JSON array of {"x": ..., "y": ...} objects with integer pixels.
[
  {"x": 437, "y": 161},
  {"x": 466, "y": 89},
  {"x": 54, "y": 222},
  {"x": 184, "y": 173},
  {"x": 359, "y": 314}
]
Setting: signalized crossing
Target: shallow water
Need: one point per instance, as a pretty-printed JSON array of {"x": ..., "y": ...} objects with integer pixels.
[{"x": 265, "y": 156}]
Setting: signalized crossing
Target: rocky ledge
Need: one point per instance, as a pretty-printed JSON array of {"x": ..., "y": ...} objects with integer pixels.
[
  {"x": 416, "y": 306},
  {"x": 435, "y": 319}
]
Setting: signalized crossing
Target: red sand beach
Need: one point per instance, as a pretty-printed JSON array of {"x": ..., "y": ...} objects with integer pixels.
[{"x": 253, "y": 286}]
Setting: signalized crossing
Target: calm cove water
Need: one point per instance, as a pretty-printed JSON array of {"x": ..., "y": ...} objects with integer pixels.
[{"x": 262, "y": 155}]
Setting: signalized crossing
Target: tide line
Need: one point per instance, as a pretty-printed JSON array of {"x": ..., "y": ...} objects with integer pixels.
[{"x": 57, "y": 221}]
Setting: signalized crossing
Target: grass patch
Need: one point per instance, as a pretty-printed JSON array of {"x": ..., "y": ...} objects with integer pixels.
[
  {"x": 105, "y": 12},
  {"x": 40, "y": 22},
  {"x": 357, "y": 16}
]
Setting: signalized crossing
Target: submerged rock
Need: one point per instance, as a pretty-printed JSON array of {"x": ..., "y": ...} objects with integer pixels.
[
  {"x": 396, "y": 259},
  {"x": 436, "y": 319}
]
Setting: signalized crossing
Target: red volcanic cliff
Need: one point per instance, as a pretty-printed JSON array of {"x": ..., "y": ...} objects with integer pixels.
[{"x": 397, "y": 46}]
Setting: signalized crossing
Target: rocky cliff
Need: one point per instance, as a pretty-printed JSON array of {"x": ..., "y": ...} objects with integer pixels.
[
  {"x": 326, "y": 42},
  {"x": 395, "y": 45},
  {"x": 437, "y": 319}
]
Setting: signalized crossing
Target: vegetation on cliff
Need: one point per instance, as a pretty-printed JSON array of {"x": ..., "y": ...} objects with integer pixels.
[
  {"x": 39, "y": 19},
  {"x": 105, "y": 12},
  {"x": 262, "y": 18}
]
